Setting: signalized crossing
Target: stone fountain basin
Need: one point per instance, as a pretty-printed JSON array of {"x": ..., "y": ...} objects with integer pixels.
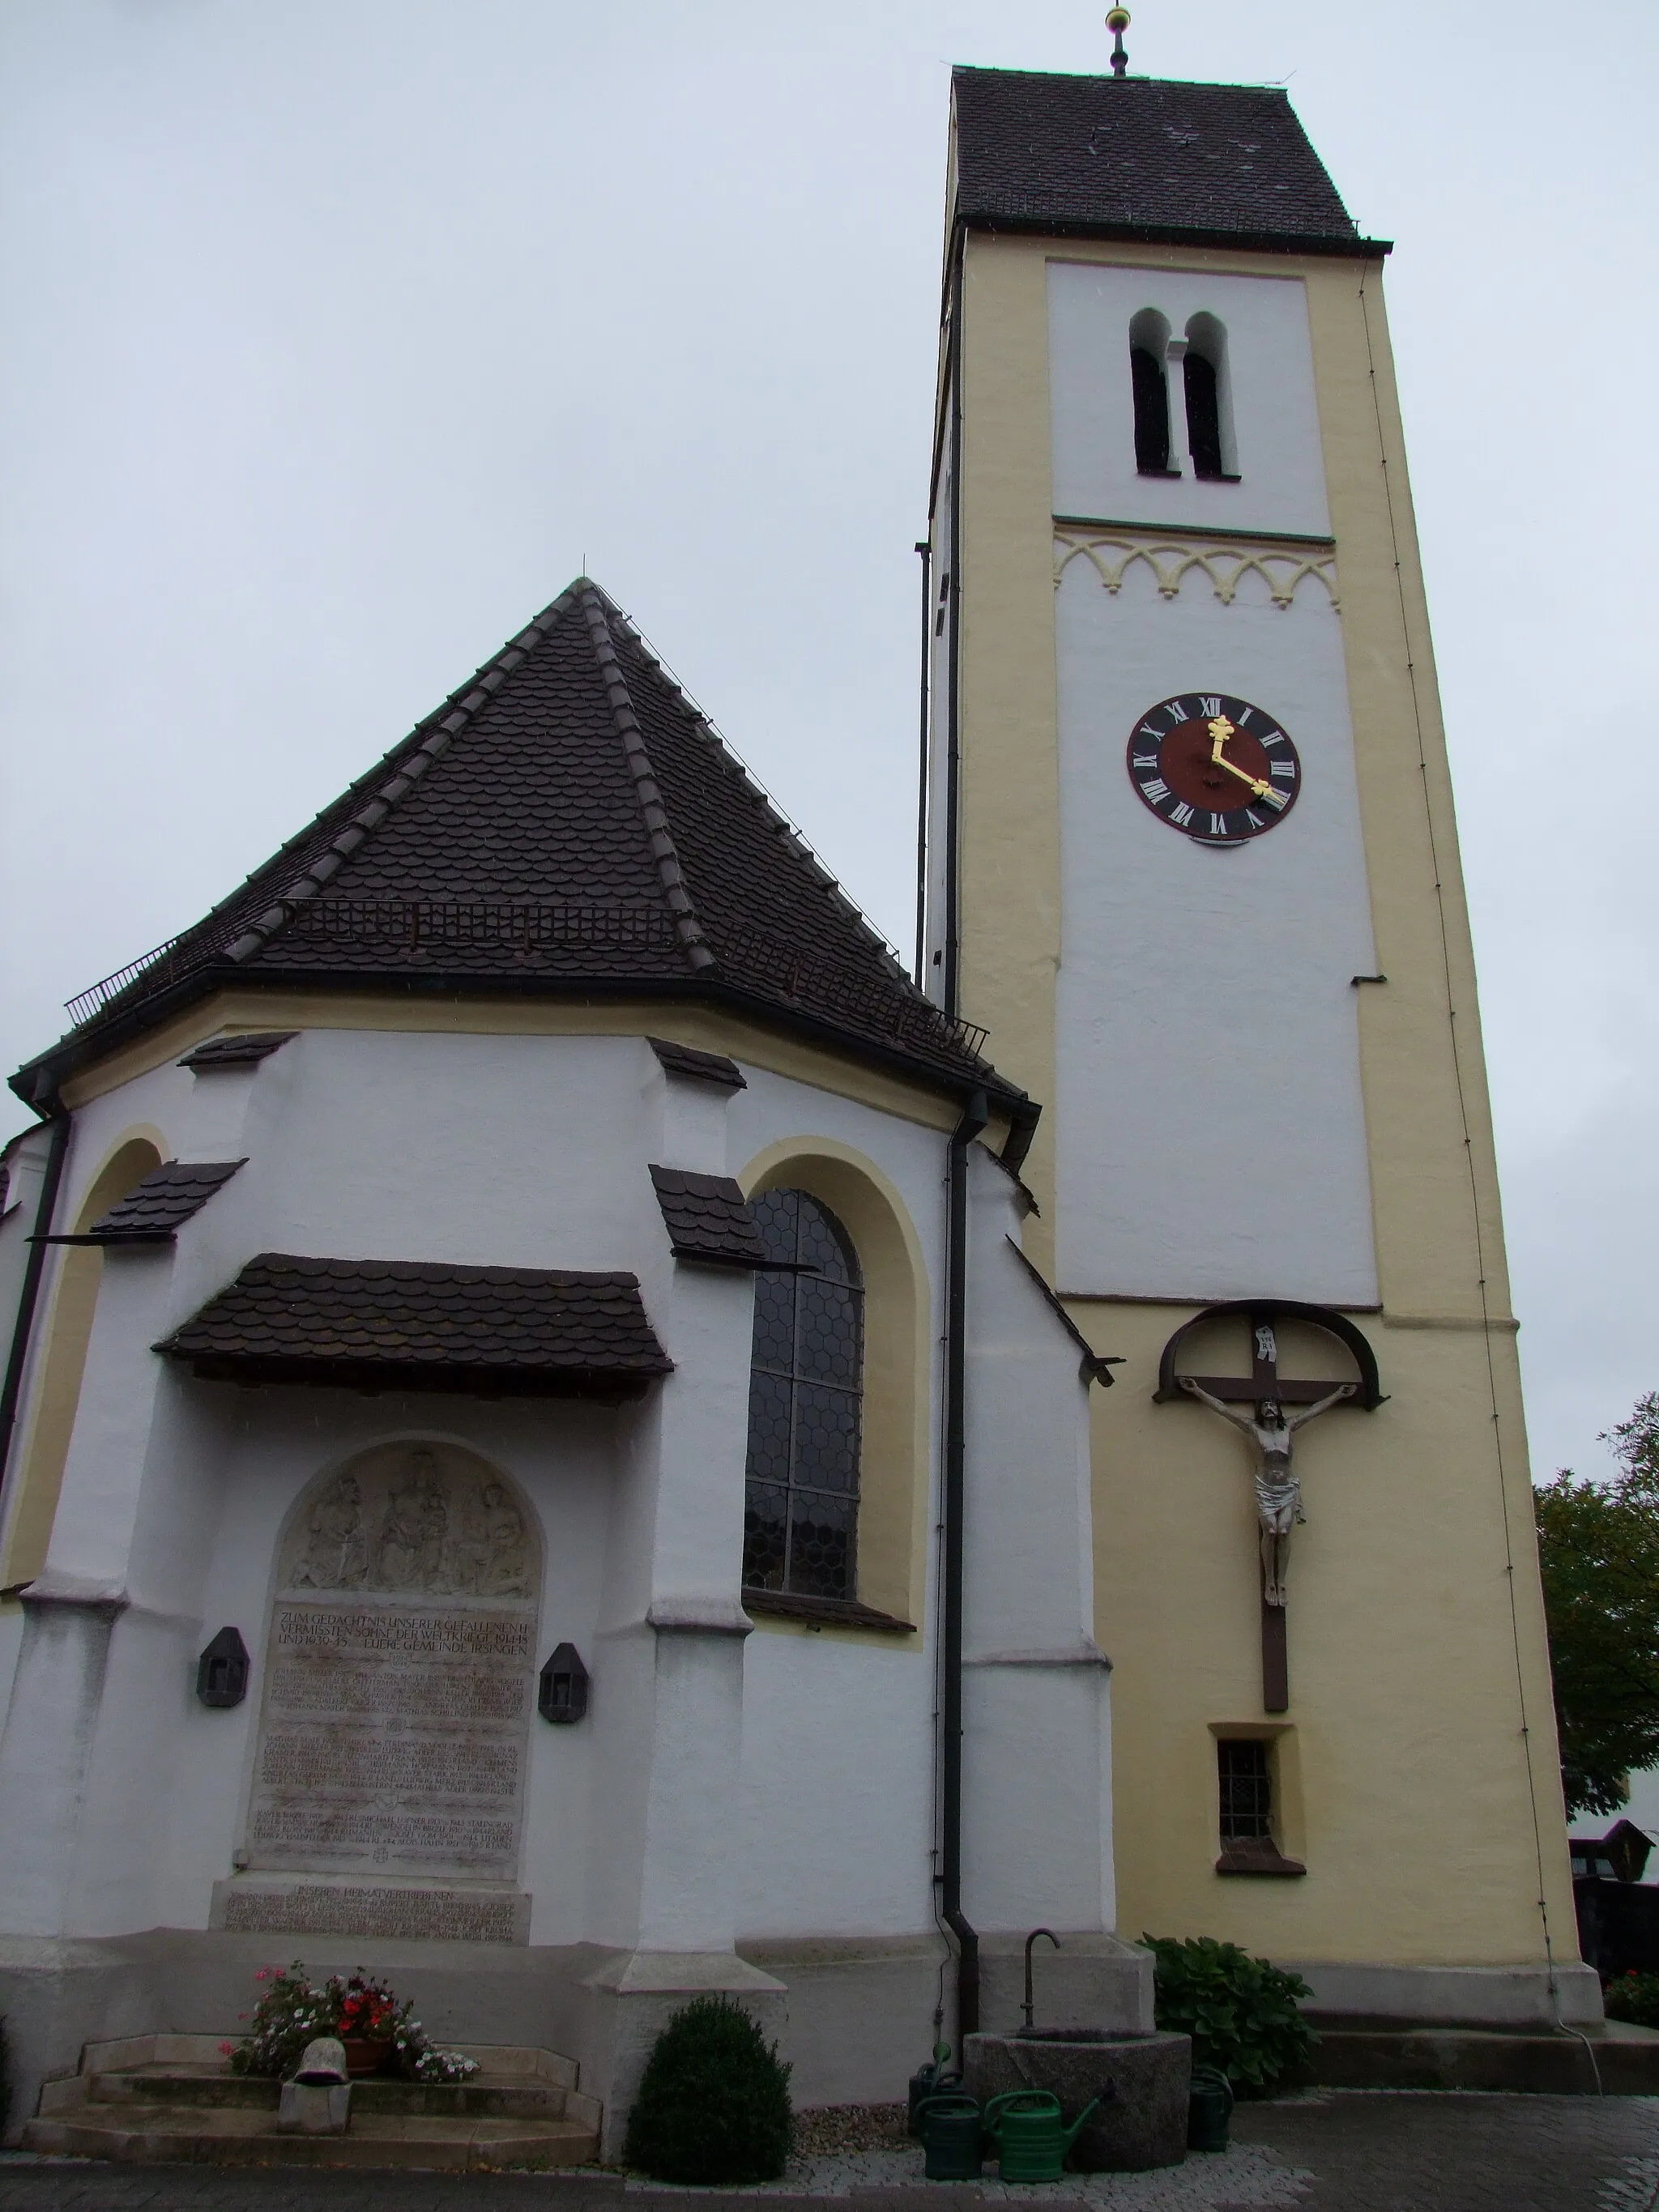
[{"x": 1144, "y": 2125}]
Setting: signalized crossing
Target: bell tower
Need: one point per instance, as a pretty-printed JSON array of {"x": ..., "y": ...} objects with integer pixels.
[{"x": 1192, "y": 860}]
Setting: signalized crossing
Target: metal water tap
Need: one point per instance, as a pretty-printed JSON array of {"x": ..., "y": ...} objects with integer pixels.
[{"x": 1028, "y": 2006}]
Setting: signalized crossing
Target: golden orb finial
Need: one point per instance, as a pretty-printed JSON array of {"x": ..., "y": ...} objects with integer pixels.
[{"x": 1117, "y": 22}]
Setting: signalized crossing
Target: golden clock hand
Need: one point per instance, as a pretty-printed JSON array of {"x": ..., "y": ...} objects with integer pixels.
[
  {"x": 1220, "y": 730},
  {"x": 1256, "y": 785}
]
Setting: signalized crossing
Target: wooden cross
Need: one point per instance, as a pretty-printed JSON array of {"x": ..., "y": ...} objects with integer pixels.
[{"x": 1264, "y": 1382}]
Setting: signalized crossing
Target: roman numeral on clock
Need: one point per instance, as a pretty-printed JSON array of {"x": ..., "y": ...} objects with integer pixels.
[
  {"x": 1146, "y": 760},
  {"x": 1278, "y": 799},
  {"x": 1209, "y": 708},
  {"x": 1177, "y": 711},
  {"x": 1157, "y": 790},
  {"x": 1181, "y": 814},
  {"x": 1283, "y": 768},
  {"x": 1218, "y": 825}
]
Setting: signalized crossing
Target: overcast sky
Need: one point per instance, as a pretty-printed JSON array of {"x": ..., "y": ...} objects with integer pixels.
[{"x": 339, "y": 334}]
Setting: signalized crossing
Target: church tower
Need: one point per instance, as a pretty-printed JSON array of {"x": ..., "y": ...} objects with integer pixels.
[{"x": 1192, "y": 862}]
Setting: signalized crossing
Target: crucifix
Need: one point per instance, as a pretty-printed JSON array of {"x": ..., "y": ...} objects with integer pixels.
[{"x": 1270, "y": 1428}]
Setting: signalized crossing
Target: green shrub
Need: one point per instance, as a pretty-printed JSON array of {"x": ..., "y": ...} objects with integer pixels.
[
  {"x": 1240, "y": 2012},
  {"x": 1635, "y": 1997},
  {"x": 713, "y": 2107}
]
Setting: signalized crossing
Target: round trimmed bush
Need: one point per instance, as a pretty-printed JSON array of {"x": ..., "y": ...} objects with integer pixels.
[{"x": 714, "y": 2106}]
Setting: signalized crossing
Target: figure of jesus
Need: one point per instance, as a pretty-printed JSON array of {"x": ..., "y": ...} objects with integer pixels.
[{"x": 1277, "y": 1491}]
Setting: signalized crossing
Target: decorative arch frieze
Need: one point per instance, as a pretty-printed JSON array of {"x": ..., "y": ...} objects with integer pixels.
[{"x": 1112, "y": 553}]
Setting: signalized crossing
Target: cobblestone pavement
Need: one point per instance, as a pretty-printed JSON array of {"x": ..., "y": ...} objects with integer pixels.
[{"x": 1324, "y": 2152}]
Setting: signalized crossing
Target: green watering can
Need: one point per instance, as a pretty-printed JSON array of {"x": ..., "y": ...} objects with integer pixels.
[
  {"x": 1025, "y": 2126},
  {"x": 1209, "y": 2108},
  {"x": 949, "y": 2130}
]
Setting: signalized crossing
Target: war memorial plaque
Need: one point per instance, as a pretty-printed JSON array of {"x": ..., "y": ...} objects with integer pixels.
[{"x": 399, "y": 1675}]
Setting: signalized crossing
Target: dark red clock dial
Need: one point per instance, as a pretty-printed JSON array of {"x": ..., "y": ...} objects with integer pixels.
[{"x": 1217, "y": 769}]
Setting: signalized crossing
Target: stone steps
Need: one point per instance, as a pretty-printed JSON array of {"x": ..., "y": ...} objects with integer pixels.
[{"x": 172, "y": 2099}]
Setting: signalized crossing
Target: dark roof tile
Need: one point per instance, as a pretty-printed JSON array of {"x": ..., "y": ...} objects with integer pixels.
[
  {"x": 163, "y": 1201},
  {"x": 385, "y": 1324},
  {"x": 707, "y": 1218},
  {"x": 700, "y": 1066},
  {"x": 573, "y": 824},
  {"x": 238, "y": 1051},
  {"x": 1128, "y": 157}
]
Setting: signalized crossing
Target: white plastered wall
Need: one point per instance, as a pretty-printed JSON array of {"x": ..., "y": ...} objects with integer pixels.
[
  {"x": 1211, "y": 1133},
  {"x": 1275, "y": 419}
]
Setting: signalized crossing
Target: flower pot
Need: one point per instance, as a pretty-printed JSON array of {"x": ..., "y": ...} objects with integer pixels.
[{"x": 366, "y": 2054}]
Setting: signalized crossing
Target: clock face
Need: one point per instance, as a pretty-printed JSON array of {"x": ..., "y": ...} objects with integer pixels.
[{"x": 1218, "y": 770}]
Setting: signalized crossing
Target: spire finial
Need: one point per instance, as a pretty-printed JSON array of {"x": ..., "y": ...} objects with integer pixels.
[{"x": 1117, "y": 22}]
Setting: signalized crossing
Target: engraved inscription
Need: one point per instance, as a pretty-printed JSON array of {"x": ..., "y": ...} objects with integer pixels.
[
  {"x": 442, "y": 1913},
  {"x": 400, "y": 1674}
]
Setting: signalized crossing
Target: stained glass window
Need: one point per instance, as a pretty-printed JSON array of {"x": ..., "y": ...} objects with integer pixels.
[{"x": 807, "y": 1384}]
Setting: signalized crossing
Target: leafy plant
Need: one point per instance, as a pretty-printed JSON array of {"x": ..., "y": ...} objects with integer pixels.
[
  {"x": 1598, "y": 1545},
  {"x": 1241, "y": 2012},
  {"x": 291, "y": 2014},
  {"x": 1633, "y": 1996},
  {"x": 714, "y": 2106}
]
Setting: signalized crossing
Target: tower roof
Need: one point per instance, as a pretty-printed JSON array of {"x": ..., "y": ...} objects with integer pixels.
[
  {"x": 567, "y": 821},
  {"x": 1142, "y": 157}
]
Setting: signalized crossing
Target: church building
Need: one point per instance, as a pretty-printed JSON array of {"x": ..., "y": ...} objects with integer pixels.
[{"x": 575, "y": 1435}]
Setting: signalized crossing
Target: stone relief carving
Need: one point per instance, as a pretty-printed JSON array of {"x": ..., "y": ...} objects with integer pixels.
[
  {"x": 1284, "y": 569},
  {"x": 399, "y": 1676},
  {"x": 411, "y": 1525}
]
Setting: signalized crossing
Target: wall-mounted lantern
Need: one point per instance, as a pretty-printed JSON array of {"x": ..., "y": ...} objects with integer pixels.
[
  {"x": 564, "y": 1696},
  {"x": 222, "y": 1669}
]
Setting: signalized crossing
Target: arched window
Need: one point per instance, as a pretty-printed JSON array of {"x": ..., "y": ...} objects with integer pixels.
[
  {"x": 1209, "y": 412},
  {"x": 805, "y": 1392},
  {"x": 1149, "y": 334}
]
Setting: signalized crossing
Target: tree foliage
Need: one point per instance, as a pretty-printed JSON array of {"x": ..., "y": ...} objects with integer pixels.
[{"x": 1599, "y": 1547}]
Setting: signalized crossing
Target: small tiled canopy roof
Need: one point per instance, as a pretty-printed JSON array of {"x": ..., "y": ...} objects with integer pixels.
[
  {"x": 566, "y": 824},
  {"x": 1142, "y": 157},
  {"x": 238, "y": 1051},
  {"x": 707, "y": 1218},
  {"x": 400, "y": 1324},
  {"x": 162, "y": 1202},
  {"x": 684, "y": 1060}
]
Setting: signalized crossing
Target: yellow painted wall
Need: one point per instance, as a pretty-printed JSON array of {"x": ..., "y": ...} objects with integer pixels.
[{"x": 1417, "y": 1645}]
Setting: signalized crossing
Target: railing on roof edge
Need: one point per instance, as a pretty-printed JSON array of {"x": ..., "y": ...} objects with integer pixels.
[{"x": 528, "y": 928}]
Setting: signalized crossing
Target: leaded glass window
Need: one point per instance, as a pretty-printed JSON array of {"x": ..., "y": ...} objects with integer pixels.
[{"x": 807, "y": 1384}]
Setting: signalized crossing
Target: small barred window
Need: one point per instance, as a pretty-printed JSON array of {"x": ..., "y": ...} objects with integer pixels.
[
  {"x": 805, "y": 1391},
  {"x": 1247, "y": 1803}
]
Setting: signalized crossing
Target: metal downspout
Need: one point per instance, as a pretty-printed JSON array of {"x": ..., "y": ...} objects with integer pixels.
[
  {"x": 29, "y": 1298},
  {"x": 974, "y": 1119},
  {"x": 953, "y": 584},
  {"x": 925, "y": 549}
]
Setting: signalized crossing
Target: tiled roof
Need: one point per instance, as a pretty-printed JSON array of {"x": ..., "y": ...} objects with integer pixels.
[
  {"x": 166, "y": 1198},
  {"x": 700, "y": 1066},
  {"x": 1128, "y": 157},
  {"x": 387, "y": 1324},
  {"x": 568, "y": 822},
  {"x": 707, "y": 1218},
  {"x": 238, "y": 1051}
]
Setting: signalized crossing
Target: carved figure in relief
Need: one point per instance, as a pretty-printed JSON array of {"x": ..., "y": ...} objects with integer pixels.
[
  {"x": 337, "y": 1546},
  {"x": 507, "y": 1571},
  {"x": 1277, "y": 1491},
  {"x": 409, "y": 1554}
]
